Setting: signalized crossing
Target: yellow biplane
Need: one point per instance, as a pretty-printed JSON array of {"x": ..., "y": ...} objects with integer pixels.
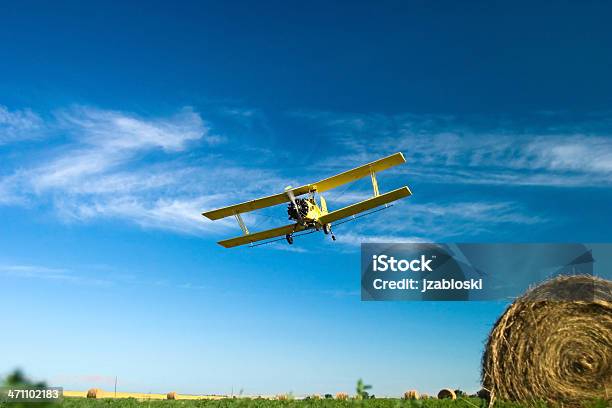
[{"x": 306, "y": 213}]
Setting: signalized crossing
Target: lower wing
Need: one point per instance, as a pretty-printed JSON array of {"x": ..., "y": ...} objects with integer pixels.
[
  {"x": 260, "y": 236},
  {"x": 365, "y": 205},
  {"x": 325, "y": 219}
]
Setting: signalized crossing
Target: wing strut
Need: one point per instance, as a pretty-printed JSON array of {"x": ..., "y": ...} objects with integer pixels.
[
  {"x": 243, "y": 226},
  {"x": 374, "y": 183}
]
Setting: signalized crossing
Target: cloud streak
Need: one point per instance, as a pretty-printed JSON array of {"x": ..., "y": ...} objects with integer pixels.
[
  {"x": 158, "y": 172},
  {"x": 102, "y": 170},
  {"x": 435, "y": 222},
  {"x": 19, "y": 125},
  {"x": 107, "y": 139},
  {"x": 446, "y": 149},
  {"x": 55, "y": 274},
  {"x": 161, "y": 172},
  {"x": 87, "y": 276}
]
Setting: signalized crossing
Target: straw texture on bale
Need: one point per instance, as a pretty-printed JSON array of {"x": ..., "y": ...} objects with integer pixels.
[
  {"x": 447, "y": 393},
  {"x": 94, "y": 393},
  {"x": 554, "y": 344},
  {"x": 411, "y": 395},
  {"x": 171, "y": 395}
]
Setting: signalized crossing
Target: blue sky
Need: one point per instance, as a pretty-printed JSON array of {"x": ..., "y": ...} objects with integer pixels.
[{"x": 120, "y": 124}]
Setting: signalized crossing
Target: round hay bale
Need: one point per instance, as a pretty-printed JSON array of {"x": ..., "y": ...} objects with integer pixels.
[
  {"x": 447, "y": 393},
  {"x": 94, "y": 393},
  {"x": 424, "y": 396},
  {"x": 411, "y": 395},
  {"x": 171, "y": 395},
  {"x": 342, "y": 396},
  {"x": 554, "y": 343},
  {"x": 484, "y": 394}
]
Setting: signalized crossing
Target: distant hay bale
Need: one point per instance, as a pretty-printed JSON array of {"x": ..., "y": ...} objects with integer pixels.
[
  {"x": 411, "y": 395},
  {"x": 171, "y": 395},
  {"x": 94, "y": 393},
  {"x": 342, "y": 396},
  {"x": 484, "y": 394},
  {"x": 447, "y": 393},
  {"x": 554, "y": 343},
  {"x": 282, "y": 397},
  {"x": 424, "y": 396},
  {"x": 316, "y": 396}
]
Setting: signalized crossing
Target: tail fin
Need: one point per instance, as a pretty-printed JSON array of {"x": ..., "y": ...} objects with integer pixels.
[{"x": 323, "y": 204}]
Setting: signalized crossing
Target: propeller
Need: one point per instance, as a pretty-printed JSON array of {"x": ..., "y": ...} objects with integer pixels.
[{"x": 292, "y": 199}]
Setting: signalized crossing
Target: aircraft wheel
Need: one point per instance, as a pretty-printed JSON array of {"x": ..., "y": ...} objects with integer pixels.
[
  {"x": 326, "y": 229},
  {"x": 333, "y": 237},
  {"x": 289, "y": 238}
]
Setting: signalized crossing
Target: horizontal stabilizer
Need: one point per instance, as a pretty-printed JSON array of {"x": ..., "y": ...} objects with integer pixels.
[{"x": 365, "y": 205}]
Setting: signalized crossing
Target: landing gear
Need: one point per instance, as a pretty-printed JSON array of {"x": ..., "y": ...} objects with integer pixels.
[
  {"x": 327, "y": 230},
  {"x": 289, "y": 239}
]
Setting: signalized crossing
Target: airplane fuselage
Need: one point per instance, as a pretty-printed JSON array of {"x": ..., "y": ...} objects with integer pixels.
[{"x": 305, "y": 211}]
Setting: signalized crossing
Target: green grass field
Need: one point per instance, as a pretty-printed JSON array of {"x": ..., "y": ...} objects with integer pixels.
[
  {"x": 265, "y": 403},
  {"x": 18, "y": 380},
  {"x": 323, "y": 403}
]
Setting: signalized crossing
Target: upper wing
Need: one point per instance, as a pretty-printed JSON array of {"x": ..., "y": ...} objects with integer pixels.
[
  {"x": 320, "y": 186},
  {"x": 365, "y": 205},
  {"x": 358, "y": 172},
  {"x": 259, "y": 236},
  {"x": 253, "y": 204}
]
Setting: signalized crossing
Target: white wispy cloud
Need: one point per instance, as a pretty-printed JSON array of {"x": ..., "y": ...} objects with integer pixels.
[
  {"x": 162, "y": 172},
  {"x": 356, "y": 239},
  {"x": 434, "y": 222},
  {"x": 104, "y": 140},
  {"x": 10, "y": 193},
  {"x": 19, "y": 125},
  {"x": 102, "y": 170},
  {"x": 57, "y": 274},
  {"x": 578, "y": 153},
  {"x": 88, "y": 275},
  {"x": 447, "y": 149},
  {"x": 99, "y": 171},
  {"x": 174, "y": 214},
  {"x": 120, "y": 131},
  {"x": 475, "y": 213}
]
